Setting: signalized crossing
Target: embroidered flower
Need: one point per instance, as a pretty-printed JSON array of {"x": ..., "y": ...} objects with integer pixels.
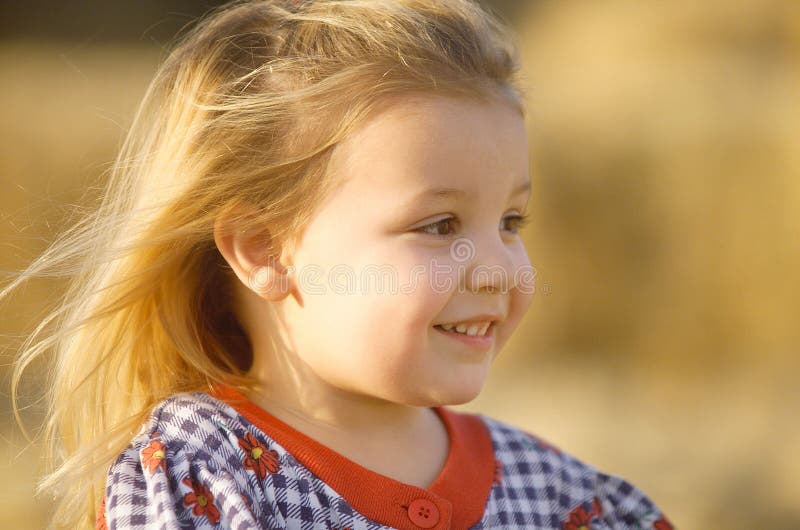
[
  {"x": 580, "y": 519},
  {"x": 663, "y": 524},
  {"x": 201, "y": 501},
  {"x": 257, "y": 457},
  {"x": 597, "y": 508},
  {"x": 498, "y": 471},
  {"x": 154, "y": 456}
]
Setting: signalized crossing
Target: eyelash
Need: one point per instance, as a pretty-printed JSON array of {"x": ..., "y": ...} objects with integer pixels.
[{"x": 521, "y": 221}]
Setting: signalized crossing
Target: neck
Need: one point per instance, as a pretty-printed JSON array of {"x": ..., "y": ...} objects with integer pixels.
[
  {"x": 304, "y": 398},
  {"x": 408, "y": 443}
]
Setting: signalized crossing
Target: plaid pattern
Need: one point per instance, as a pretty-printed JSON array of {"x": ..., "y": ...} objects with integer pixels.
[
  {"x": 188, "y": 468},
  {"x": 543, "y": 487}
]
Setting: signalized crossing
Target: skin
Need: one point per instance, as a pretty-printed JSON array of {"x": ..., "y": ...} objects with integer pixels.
[{"x": 358, "y": 369}]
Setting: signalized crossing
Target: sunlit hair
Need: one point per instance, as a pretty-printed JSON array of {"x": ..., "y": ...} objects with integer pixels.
[{"x": 246, "y": 108}]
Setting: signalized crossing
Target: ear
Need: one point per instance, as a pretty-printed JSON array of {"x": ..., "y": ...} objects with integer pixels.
[{"x": 252, "y": 254}]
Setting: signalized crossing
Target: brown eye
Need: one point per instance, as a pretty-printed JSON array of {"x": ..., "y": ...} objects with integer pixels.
[
  {"x": 436, "y": 228},
  {"x": 517, "y": 222}
]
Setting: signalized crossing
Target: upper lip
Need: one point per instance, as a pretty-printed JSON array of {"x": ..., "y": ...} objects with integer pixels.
[{"x": 485, "y": 317}]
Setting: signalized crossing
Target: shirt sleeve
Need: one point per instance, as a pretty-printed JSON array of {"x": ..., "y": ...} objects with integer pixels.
[
  {"x": 158, "y": 484},
  {"x": 620, "y": 504}
]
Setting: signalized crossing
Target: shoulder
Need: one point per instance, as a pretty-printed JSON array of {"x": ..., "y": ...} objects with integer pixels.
[
  {"x": 525, "y": 453},
  {"x": 191, "y": 420},
  {"x": 184, "y": 427},
  {"x": 567, "y": 490},
  {"x": 185, "y": 468}
]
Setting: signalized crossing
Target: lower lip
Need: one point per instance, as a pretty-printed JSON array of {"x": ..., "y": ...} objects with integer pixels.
[{"x": 475, "y": 341}]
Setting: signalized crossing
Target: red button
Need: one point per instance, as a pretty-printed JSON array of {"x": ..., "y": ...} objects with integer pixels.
[{"x": 423, "y": 513}]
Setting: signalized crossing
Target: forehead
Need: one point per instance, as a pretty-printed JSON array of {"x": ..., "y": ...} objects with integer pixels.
[{"x": 422, "y": 140}]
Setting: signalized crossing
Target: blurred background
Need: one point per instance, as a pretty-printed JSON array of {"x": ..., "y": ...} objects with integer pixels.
[{"x": 662, "y": 343}]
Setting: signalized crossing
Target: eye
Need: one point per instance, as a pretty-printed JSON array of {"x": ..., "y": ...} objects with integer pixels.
[
  {"x": 517, "y": 222},
  {"x": 435, "y": 227}
]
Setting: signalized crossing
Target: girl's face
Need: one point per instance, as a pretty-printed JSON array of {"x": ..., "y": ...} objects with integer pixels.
[{"x": 386, "y": 259}]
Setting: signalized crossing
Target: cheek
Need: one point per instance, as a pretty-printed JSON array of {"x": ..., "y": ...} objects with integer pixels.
[
  {"x": 431, "y": 279},
  {"x": 378, "y": 348},
  {"x": 520, "y": 302},
  {"x": 518, "y": 306},
  {"x": 522, "y": 273},
  {"x": 422, "y": 282},
  {"x": 522, "y": 288},
  {"x": 376, "y": 325}
]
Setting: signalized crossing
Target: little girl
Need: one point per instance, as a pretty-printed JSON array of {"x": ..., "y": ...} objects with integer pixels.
[{"x": 308, "y": 249}]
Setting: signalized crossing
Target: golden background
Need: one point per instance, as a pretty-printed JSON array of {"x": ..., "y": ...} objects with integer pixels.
[{"x": 662, "y": 343}]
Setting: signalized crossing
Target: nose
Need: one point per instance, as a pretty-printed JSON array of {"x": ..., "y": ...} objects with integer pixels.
[{"x": 490, "y": 267}]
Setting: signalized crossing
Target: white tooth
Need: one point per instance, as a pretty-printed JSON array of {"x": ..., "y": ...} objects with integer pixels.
[
  {"x": 447, "y": 327},
  {"x": 484, "y": 328},
  {"x": 473, "y": 330},
  {"x": 461, "y": 328}
]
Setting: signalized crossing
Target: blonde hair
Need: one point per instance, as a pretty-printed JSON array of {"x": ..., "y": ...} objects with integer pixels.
[{"x": 246, "y": 108}]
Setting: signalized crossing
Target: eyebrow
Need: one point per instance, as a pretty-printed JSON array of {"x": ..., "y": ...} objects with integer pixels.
[
  {"x": 522, "y": 188},
  {"x": 444, "y": 193}
]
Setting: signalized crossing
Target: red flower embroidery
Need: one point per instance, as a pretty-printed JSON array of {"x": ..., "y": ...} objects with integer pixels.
[
  {"x": 201, "y": 501},
  {"x": 580, "y": 519},
  {"x": 597, "y": 508},
  {"x": 498, "y": 471},
  {"x": 100, "y": 522},
  {"x": 663, "y": 524},
  {"x": 257, "y": 457},
  {"x": 154, "y": 456}
]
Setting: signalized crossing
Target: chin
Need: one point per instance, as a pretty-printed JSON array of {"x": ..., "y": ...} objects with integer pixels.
[
  {"x": 450, "y": 396},
  {"x": 462, "y": 397},
  {"x": 460, "y": 388}
]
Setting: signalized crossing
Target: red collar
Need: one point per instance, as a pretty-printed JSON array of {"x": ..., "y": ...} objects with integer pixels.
[{"x": 456, "y": 499}]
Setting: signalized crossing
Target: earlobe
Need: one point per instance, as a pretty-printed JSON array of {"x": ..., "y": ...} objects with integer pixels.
[
  {"x": 249, "y": 255},
  {"x": 271, "y": 282}
]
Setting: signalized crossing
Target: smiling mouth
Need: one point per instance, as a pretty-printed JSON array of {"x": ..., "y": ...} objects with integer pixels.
[
  {"x": 480, "y": 342},
  {"x": 453, "y": 331}
]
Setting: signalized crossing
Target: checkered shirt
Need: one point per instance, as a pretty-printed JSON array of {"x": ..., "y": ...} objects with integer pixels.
[{"x": 198, "y": 463}]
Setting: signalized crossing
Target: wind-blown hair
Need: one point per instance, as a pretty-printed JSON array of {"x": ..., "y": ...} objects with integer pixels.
[{"x": 246, "y": 108}]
